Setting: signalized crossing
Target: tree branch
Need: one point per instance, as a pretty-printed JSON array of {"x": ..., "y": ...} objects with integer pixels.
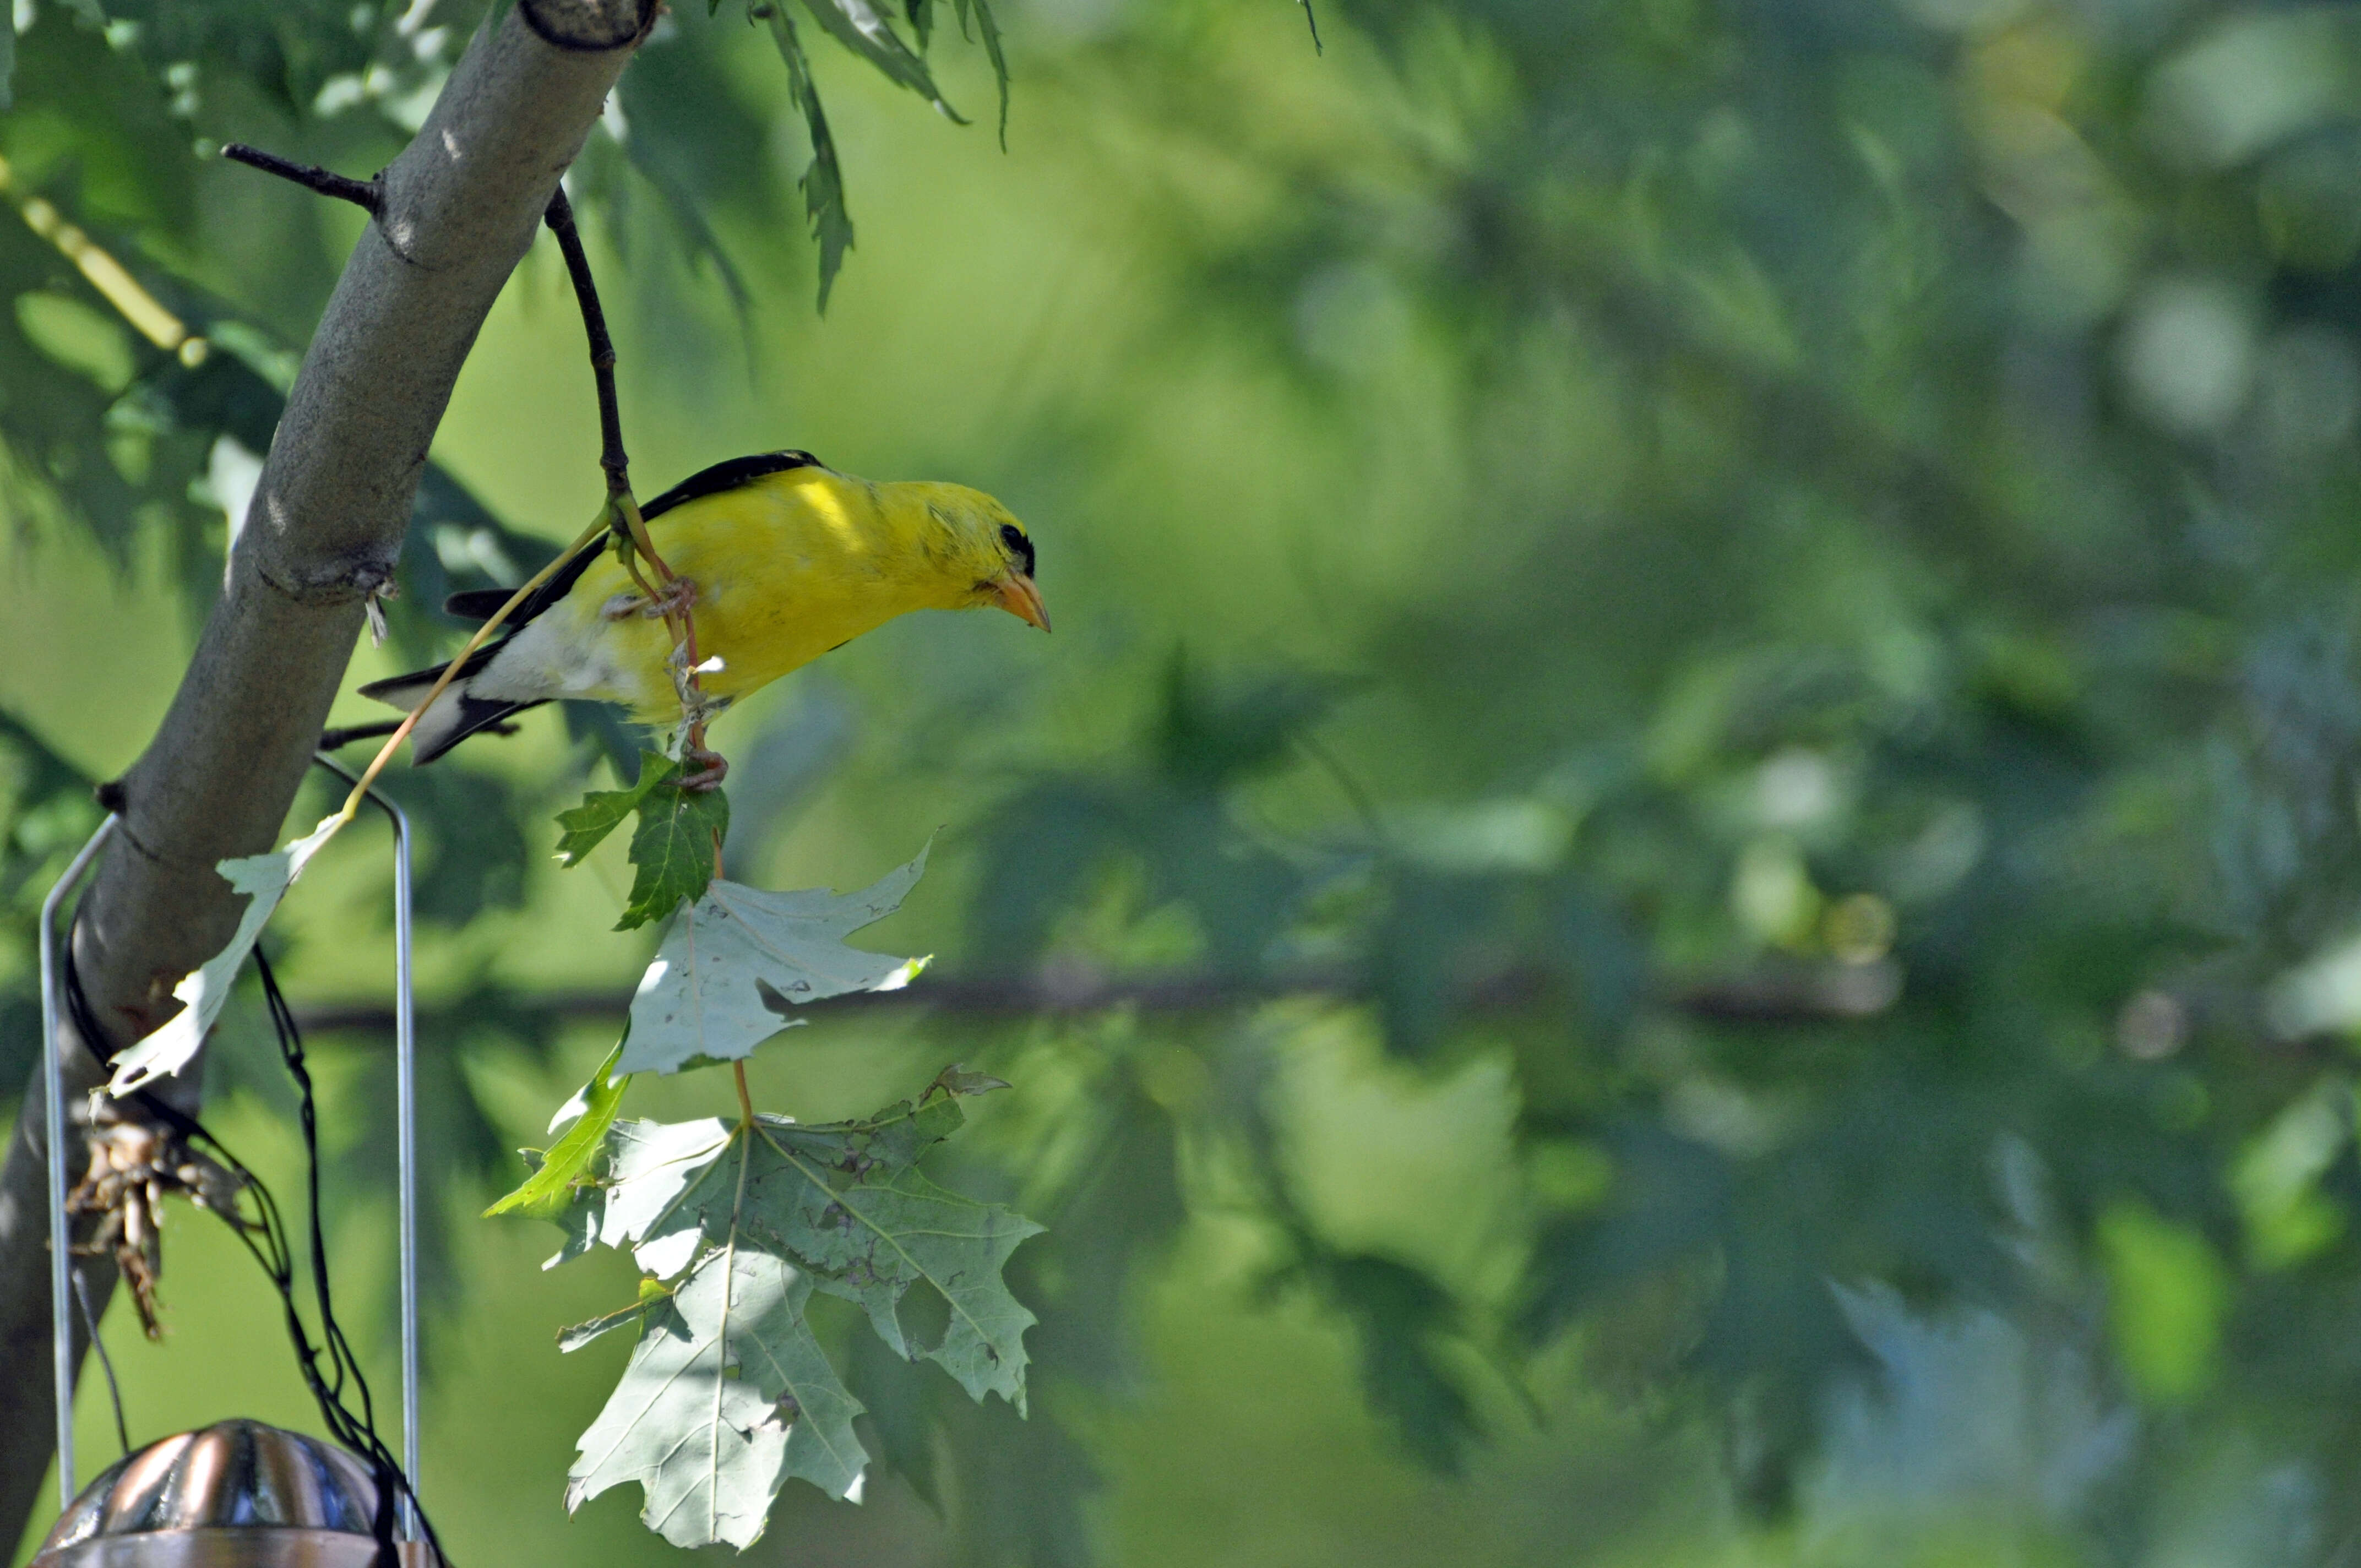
[
  {"x": 453, "y": 215},
  {"x": 1771, "y": 996}
]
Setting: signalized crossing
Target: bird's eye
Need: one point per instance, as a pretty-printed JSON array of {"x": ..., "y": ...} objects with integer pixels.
[{"x": 1011, "y": 536}]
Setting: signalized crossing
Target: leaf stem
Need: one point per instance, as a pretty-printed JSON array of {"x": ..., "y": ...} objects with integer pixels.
[{"x": 745, "y": 1101}]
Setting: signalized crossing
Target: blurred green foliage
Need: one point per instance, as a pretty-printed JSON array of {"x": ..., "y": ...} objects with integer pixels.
[{"x": 1707, "y": 650}]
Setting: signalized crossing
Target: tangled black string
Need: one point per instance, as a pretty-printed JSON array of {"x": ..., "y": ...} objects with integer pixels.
[{"x": 265, "y": 1236}]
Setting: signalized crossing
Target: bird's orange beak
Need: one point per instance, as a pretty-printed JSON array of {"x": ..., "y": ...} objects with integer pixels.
[{"x": 1020, "y": 598}]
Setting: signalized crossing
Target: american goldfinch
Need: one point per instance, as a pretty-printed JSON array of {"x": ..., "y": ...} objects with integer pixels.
[{"x": 785, "y": 559}]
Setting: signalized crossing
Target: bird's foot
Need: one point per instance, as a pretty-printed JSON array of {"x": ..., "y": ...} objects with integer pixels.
[
  {"x": 712, "y": 768},
  {"x": 675, "y": 598}
]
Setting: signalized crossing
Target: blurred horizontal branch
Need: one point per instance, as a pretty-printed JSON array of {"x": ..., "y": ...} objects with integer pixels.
[{"x": 1788, "y": 993}]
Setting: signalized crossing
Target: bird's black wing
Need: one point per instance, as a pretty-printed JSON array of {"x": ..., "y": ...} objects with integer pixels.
[
  {"x": 482, "y": 604},
  {"x": 729, "y": 477}
]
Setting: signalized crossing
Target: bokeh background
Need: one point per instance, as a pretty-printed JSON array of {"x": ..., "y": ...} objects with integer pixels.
[{"x": 1683, "y": 886}]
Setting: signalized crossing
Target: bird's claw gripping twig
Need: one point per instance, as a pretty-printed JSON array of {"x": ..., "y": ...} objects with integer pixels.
[
  {"x": 675, "y": 598},
  {"x": 712, "y": 768}
]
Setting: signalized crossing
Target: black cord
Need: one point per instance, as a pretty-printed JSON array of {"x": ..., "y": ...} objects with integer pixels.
[
  {"x": 358, "y": 1434},
  {"x": 105, "y": 1362},
  {"x": 265, "y": 1236}
]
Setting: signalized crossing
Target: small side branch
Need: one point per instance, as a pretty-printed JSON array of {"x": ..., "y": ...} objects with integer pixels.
[
  {"x": 368, "y": 196},
  {"x": 611, "y": 457}
]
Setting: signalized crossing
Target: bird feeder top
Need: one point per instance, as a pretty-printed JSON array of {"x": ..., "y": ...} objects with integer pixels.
[{"x": 236, "y": 1493}]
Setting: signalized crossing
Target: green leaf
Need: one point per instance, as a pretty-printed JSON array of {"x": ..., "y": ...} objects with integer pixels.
[
  {"x": 8, "y": 62},
  {"x": 727, "y": 1395},
  {"x": 873, "y": 1239},
  {"x": 653, "y": 1167},
  {"x": 861, "y": 27},
  {"x": 823, "y": 178},
  {"x": 957, "y": 1079},
  {"x": 1403, "y": 1316},
  {"x": 736, "y": 963},
  {"x": 845, "y": 1200},
  {"x": 264, "y": 879},
  {"x": 989, "y": 25},
  {"x": 550, "y": 1190},
  {"x": 586, "y": 826},
  {"x": 922, "y": 21},
  {"x": 673, "y": 851},
  {"x": 2168, "y": 1295},
  {"x": 579, "y": 1221}
]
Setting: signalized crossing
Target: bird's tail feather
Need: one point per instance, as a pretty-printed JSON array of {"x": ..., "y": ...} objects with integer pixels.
[
  {"x": 456, "y": 714},
  {"x": 454, "y": 717}
]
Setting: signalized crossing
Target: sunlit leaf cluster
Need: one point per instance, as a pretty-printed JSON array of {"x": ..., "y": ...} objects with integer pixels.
[{"x": 729, "y": 1394}]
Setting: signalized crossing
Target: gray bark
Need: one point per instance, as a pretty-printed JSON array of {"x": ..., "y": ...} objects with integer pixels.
[{"x": 459, "y": 207}]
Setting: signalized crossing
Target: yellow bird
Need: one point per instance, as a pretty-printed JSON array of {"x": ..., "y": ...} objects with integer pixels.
[{"x": 785, "y": 559}]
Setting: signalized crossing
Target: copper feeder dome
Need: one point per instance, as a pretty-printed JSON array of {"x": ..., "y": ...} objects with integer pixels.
[{"x": 235, "y": 1494}]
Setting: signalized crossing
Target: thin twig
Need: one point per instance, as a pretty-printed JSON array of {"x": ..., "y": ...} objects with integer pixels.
[
  {"x": 114, "y": 281},
  {"x": 623, "y": 510},
  {"x": 560, "y": 218},
  {"x": 366, "y": 195}
]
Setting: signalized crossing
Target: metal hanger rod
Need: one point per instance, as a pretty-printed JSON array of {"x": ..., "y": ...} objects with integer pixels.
[
  {"x": 54, "y": 1085},
  {"x": 405, "y": 1133}
]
